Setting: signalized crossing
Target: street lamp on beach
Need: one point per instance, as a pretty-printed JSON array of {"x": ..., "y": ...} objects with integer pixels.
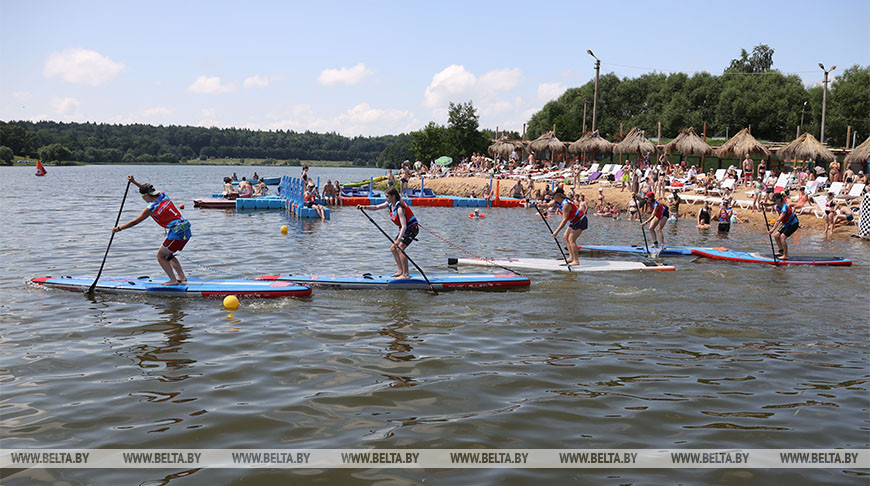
[
  {"x": 584, "y": 114},
  {"x": 824, "y": 99},
  {"x": 801, "y": 126},
  {"x": 595, "y": 98}
]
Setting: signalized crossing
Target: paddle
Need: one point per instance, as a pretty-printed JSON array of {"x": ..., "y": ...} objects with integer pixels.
[
  {"x": 431, "y": 287},
  {"x": 117, "y": 220},
  {"x": 554, "y": 236},
  {"x": 642, "y": 230},
  {"x": 769, "y": 237}
]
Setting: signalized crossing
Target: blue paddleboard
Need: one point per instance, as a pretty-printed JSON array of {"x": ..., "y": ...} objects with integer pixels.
[
  {"x": 743, "y": 256},
  {"x": 641, "y": 250},
  {"x": 450, "y": 281},
  {"x": 194, "y": 287}
]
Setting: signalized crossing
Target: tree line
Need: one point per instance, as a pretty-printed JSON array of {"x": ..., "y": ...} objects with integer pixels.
[
  {"x": 749, "y": 92},
  {"x": 101, "y": 142}
]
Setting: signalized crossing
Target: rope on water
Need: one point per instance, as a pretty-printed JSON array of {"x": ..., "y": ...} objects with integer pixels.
[{"x": 445, "y": 240}]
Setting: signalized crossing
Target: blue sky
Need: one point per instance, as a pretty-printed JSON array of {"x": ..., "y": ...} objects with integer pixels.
[{"x": 372, "y": 68}]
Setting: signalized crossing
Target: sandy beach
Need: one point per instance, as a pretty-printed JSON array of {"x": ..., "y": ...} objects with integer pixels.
[{"x": 468, "y": 186}]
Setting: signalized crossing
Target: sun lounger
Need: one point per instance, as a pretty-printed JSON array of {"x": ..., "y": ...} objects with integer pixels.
[
  {"x": 836, "y": 188},
  {"x": 720, "y": 174},
  {"x": 819, "y": 210},
  {"x": 743, "y": 203},
  {"x": 781, "y": 183},
  {"x": 594, "y": 168},
  {"x": 855, "y": 192}
]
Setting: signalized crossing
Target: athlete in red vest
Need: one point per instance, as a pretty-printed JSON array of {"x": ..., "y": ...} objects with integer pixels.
[
  {"x": 164, "y": 213},
  {"x": 403, "y": 217},
  {"x": 574, "y": 217}
]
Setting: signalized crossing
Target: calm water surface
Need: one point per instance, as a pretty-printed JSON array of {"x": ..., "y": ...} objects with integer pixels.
[{"x": 715, "y": 355}]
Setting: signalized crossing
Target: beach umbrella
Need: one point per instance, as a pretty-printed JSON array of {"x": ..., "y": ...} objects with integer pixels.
[
  {"x": 591, "y": 142},
  {"x": 859, "y": 154},
  {"x": 547, "y": 141},
  {"x": 740, "y": 145},
  {"x": 688, "y": 143},
  {"x": 635, "y": 143},
  {"x": 504, "y": 146},
  {"x": 444, "y": 160},
  {"x": 805, "y": 147}
]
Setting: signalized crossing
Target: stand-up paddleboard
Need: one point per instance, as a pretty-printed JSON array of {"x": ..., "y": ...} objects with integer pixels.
[
  {"x": 586, "y": 265},
  {"x": 640, "y": 250},
  {"x": 742, "y": 256},
  {"x": 450, "y": 281},
  {"x": 194, "y": 287}
]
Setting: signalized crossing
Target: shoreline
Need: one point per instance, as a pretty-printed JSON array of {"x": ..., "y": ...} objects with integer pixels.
[{"x": 465, "y": 186}]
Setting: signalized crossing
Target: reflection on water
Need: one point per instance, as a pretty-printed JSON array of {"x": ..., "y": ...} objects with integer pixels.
[{"x": 714, "y": 355}]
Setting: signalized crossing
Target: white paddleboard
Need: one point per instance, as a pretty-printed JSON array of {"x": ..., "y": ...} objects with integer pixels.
[{"x": 586, "y": 265}]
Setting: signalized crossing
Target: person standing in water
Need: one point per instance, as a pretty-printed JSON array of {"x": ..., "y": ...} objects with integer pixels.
[
  {"x": 658, "y": 218},
  {"x": 164, "y": 213},
  {"x": 403, "y": 217},
  {"x": 786, "y": 224},
  {"x": 575, "y": 218}
]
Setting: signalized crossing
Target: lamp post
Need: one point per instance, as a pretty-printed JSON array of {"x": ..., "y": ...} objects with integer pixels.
[
  {"x": 595, "y": 98},
  {"x": 824, "y": 99},
  {"x": 584, "y": 114},
  {"x": 801, "y": 126}
]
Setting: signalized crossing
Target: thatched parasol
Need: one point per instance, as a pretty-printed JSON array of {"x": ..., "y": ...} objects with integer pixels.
[
  {"x": 805, "y": 147},
  {"x": 591, "y": 142},
  {"x": 547, "y": 141},
  {"x": 504, "y": 146},
  {"x": 740, "y": 145},
  {"x": 688, "y": 143},
  {"x": 859, "y": 154},
  {"x": 635, "y": 143}
]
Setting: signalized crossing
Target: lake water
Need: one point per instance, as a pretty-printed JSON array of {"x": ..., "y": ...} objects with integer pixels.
[{"x": 714, "y": 355}]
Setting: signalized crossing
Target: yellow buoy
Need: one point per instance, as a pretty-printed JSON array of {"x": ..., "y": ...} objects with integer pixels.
[
  {"x": 284, "y": 230},
  {"x": 231, "y": 302}
]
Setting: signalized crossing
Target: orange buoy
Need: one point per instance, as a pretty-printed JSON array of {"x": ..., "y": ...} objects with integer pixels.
[
  {"x": 40, "y": 170},
  {"x": 181, "y": 206}
]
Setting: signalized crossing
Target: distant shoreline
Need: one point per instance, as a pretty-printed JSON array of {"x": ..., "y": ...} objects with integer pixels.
[{"x": 213, "y": 162}]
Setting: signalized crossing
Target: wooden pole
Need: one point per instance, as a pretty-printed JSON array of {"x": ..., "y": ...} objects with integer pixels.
[
  {"x": 523, "y": 150},
  {"x": 848, "y": 135},
  {"x": 704, "y": 156},
  {"x": 660, "y": 132}
]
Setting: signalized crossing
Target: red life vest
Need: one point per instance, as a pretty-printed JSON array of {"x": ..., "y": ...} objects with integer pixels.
[
  {"x": 410, "y": 219},
  {"x": 573, "y": 211},
  {"x": 163, "y": 211}
]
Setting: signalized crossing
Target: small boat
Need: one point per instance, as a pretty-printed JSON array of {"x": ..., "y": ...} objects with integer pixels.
[
  {"x": 586, "y": 265},
  {"x": 195, "y": 287},
  {"x": 214, "y": 203}
]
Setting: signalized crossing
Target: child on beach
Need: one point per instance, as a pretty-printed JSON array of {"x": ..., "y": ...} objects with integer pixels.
[{"x": 164, "y": 213}]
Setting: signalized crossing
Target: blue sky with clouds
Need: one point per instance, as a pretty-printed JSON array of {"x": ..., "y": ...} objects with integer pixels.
[{"x": 371, "y": 68}]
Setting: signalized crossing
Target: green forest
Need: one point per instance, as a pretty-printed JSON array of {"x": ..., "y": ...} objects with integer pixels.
[{"x": 749, "y": 92}]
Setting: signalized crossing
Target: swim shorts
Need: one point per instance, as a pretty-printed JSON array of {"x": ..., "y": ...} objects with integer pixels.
[
  {"x": 174, "y": 245},
  {"x": 789, "y": 229},
  {"x": 580, "y": 225},
  {"x": 410, "y": 234}
]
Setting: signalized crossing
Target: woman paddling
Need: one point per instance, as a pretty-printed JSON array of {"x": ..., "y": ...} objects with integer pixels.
[
  {"x": 658, "y": 218},
  {"x": 402, "y": 215},
  {"x": 575, "y": 218},
  {"x": 164, "y": 213},
  {"x": 786, "y": 224}
]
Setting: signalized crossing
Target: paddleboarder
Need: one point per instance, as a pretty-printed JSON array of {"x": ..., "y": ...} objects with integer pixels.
[
  {"x": 575, "y": 218},
  {"x": 786, "y": 224},
  {"x": 403, "y": 217},
  {"x": 658, "y": 218},
  {"x": 164, "y": 213}
]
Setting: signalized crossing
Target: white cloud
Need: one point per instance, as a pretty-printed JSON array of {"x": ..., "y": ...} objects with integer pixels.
[
  {"x": 81, "y": 66},
  {"x": 550, "y": 91},
  {"x": 345, "y": 76},
  {"x": 65, "y": 106},
  {"x": 362, "y": 119},
  {"x": 452, "y": 81},
  {"x": 501, "y": 79},
  {"x": 210, "y": 85},
  {"x": 457, "y": 84},
  {"x": 208, "y": 112},
  {"x": 21, "y": 95},
  {"x": 256, "y": 81}
]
